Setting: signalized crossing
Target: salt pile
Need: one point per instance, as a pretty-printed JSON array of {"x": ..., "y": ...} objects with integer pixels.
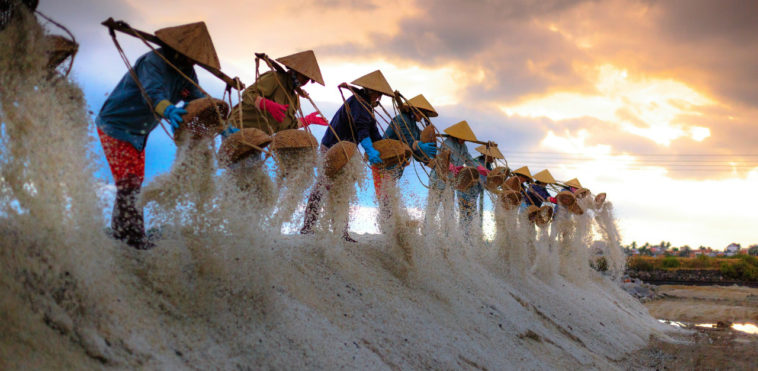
[{"x": 224, "y": 289}]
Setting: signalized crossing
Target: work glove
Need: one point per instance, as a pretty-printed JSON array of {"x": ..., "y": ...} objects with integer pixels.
[
  {"x": 229, "y": 131},
  {"x": 429, "y": 149},
  {"x": 313, "y": 119},
  {"x": 482, "y": 171},
  {"x": 276, "y": 110},
  {"x": 173, "y": 115},
  {"x": 454, "y": 169},
  {"x": 552, "y": 199},
  {"x": 371, "y": 153}
]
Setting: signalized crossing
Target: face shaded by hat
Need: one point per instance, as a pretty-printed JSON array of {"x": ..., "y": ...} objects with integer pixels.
[
  {"x": 374, "y": 81},
  {"x": 419, "y": 102},
  {"x": 304, "y": 63},
  {"x": 490, "y": 151},
  {"x": 461, "y": 131},
  {"x": 523, "y": 173}
]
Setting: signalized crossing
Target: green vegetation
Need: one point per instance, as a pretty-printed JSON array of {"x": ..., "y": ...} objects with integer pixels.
[
  {"x": 670, "y": 262},
  {"x": 599, "y": 264},
  {"x": 738, "y": 267}
]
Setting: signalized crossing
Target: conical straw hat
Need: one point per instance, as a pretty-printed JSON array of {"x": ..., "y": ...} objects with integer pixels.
[
  {"x": 193, "y": 41},
  {"x": 492, "y": 151},
  {"x": 375, "y": 81},
  {"x": 461, "y": 130},
  {"x": 305, "y": 63},
  {"x": 421, "y": 103},
  {"x": 524, "y": 170},
  {"x": 544, "y": 176},
  {"x": 574, "y": 183}
]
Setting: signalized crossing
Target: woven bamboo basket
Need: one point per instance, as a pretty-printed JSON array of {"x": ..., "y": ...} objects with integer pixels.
[
  {"x": 440, "y": 163},
  {"x": 532, "y": 213},
  {"x": 293, "y": 139},
  {"x": 60, "y": 48},
  {"x": 600, "y": 199},
  {"x": 514, "y": 183},
  {"x": 466, "y": 178},
  {"x": 338, "y": 156},
  {"x": 581, "y": 193},
  {"x": 429, "y": 134},
  {"x": 575, "y": 209},
  {"x": 205, "y": 118},
  {"x": 510, "y": 199},
  {"x": 544, "y": 216},
  {"x": 566, "y": 198},
  {"x": 392, "y": 152},
  {"x": 496, "y": 178},
  {"x": 237, "y": 146}
]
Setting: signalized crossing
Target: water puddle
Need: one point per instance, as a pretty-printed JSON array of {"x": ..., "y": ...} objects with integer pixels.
[{"x": 746, "y": 327}]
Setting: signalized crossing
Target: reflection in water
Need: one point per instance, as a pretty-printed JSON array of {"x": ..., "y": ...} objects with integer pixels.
[{"x": 748, "y": 328}]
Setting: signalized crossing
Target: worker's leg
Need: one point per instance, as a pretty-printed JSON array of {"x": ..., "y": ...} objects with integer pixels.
[{"x": 128, "y": 169}]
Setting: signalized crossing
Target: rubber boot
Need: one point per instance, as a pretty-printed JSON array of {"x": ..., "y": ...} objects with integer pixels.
[
  {"x": 346, "y": 236},
  {"x": 127, "y": 222}
]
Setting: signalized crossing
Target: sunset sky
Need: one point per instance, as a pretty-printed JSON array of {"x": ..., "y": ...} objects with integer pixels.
[{"x": 653, "y": 102}]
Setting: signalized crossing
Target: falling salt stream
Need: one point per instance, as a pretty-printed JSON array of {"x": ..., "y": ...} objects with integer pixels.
[{"x": 225, "y": 289}]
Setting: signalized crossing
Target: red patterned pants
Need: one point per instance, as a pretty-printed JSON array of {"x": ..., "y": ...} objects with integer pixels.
[{"x": 126, "y": 163}]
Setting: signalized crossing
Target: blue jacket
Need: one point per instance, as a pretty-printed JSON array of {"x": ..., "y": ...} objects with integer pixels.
[
  {"x": 403, "y": 128},
  {"x": 536, "y": 195},
  {"x": 363, "y": 123},
  {"x": 127, "y": 116}
]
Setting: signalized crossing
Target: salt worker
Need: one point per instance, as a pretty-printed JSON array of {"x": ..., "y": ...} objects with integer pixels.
[
  {"x": 537, "y": 192},
  {"x": 524, "y": 178},
  {"x": 486, "y": 160},
  {"x": 354, "y": 122},
  {"x": 457, "y": 135},
  {"x": 404, "y": 127},
  {"x": 127, "y": 116},
  {"x": 270, "y": 104}
]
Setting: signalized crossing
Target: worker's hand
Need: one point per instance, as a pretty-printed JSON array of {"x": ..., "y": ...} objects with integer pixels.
[
  {"x": 313, "y": 119},
  {"x": 482, "y": 171},
  {"x": 276, "y": 110},
  {"x": 173, "y": 115},
  {"x": 552, "y": 199},
  {"x": 429, "y": 149},
  {"x": 454, "y": 169},
  {"x": 373, "y": 155},
  {"x": 229, "y": 131}
]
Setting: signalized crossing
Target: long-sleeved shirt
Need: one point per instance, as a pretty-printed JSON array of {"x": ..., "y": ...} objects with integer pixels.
[
  {"x": 276, "y": 86},
  {"x": 459, "y": 156},
  {"x": 363, "y": 122},
  {"x": 536, "y": 195},
  {"x": 403, "y": 128},
  {"x": 127, "y": 116}
]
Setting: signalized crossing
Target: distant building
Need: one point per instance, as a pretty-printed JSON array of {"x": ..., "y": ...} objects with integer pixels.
[{"x": 732, "y": 249}]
